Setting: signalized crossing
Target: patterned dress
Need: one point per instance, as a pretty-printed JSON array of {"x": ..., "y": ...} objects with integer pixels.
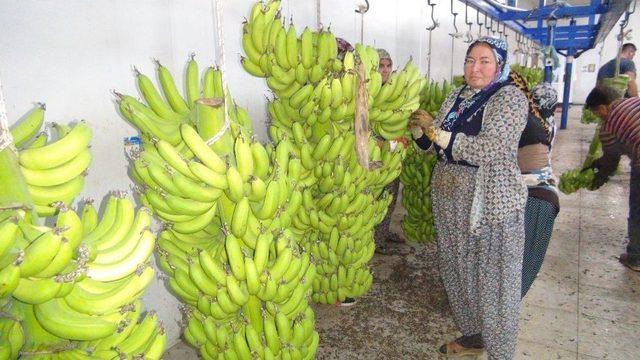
[{"x": 479, "y": 218}]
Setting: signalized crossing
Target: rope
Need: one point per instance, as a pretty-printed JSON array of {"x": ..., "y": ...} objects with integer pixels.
[
  {"x": 220, "y": 52},
  {"x": 221, "y": 132},
  {"x": 6, "y": 140}
]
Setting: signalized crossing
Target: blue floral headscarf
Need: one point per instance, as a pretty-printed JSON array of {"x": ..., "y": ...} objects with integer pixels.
[
  {"x": 501, "y": 51},
  {"x": 464, "y": 109}
]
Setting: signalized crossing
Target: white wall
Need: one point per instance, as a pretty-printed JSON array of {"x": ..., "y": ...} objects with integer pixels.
[{"x": 70, "y": 54}]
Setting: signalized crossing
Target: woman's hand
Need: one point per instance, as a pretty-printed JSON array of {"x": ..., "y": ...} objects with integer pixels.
[
  {"x": 421, "y": 119},
  {"x": 424, "y": 120}
]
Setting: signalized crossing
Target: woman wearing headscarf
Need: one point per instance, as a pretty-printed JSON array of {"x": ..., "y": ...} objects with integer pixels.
[
  {"x": 534, "y": 160},
  {"x": 479, "y": 199}
]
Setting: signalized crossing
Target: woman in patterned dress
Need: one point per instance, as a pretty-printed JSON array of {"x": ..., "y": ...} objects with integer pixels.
[{"x": 479, "y": 199}]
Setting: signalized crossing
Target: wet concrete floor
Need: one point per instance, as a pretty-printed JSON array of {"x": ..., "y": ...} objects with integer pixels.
[{"x": 583, "y": 305}]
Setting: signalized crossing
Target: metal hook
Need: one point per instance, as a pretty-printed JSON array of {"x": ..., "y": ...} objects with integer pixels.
[
  {"x": 469, "y": 23},
  {"x": 492, "y": 31},
  {"x": 362, "y": 10},
  {"x": 486, "y": 23},
  {"x": 479, "y": 23},
  {"x": 466, "y": 15},
  {"x": 454, "y": 18},
  {"x": 435, "y": 23}
]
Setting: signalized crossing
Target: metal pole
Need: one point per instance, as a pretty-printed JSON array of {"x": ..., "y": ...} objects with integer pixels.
[
  {"x": 567, "y": 82},
  {"x": 623, "y": 24},
  {"x": 429, "y": 57},
  {"x": 567, "y": 88},
  {"x": 548, "y": 68}
]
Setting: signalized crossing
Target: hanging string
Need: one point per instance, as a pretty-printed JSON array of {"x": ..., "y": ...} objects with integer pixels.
[
  {"x": 318, "y": 18},
  {"x": 362, "y": 9},
  {"x": 222, "y": 69},
  {"x": 5, "y": 135}
]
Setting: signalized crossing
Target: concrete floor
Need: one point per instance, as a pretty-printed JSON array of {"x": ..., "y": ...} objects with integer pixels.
[{"x": 583, "y": 305}]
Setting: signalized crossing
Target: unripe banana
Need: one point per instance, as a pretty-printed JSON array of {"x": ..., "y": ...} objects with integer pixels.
[
  {"x": 153, "y": 98},
  {"x": 203, "y": 152},
  {"x": 61, "y": 174},
  {"x": 244, "y": 158},
  {"x": 292, "y": 46},
  {"x": 170, "y": 90},
  {"x": 235, "y": 256},
  {"x": 29, "y": 126}
]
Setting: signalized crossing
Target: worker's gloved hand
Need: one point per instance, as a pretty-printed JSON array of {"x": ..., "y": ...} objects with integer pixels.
[
  {"x": 421, "y": 119},
  {"x": 416, "y": 131},
  {"x": 425, "y": 121}
]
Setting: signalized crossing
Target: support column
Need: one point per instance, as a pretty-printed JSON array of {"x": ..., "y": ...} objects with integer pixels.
[{"x": 567, "y": 89}]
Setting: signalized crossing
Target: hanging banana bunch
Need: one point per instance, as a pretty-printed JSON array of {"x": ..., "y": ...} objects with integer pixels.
[
  {"x": 417, "y": 225},
  {"x": 228, "y": 245},
  {"x": 54, "y": 170},
  {"x": 417, "y": 167},
  {"x": 432, "y": 95},
  {"x": 77, "y": 282},
  {"x": 313, "y": 112},
  {"x": 313, "y": 85}
]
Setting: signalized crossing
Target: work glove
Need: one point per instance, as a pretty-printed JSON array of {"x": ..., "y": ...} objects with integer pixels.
[{"x": 425, "y": 121}]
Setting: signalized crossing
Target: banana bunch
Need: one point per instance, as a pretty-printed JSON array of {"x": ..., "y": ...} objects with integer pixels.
[
  {"x": 417, "y": 225},
  {"x": 75, "y": 283},
  {"x": 314, "y": 112},
  {"x": 39, "y": 263},
  {"x": 313, "y": 85},
  {"x": 133, "y": 336},
  {"x": 54, "y": 170},
  {"x": 227, "y": 246},
  {"x": 589, "y": 117},
  {"x": 575, "y": 179},
  {"x": 276, "y": 53},
  {"x": 533, "y": 76},
  {"x": 395, "y": 101},
  {"x": 433, "y": 95},
  {"x": 255, "y": 335},
  {"x": 244, "y": 260},
  {"x": 160, "y": 118},
  {"x": 416, "y": 173},
  {"x": 343, "y": 202}
]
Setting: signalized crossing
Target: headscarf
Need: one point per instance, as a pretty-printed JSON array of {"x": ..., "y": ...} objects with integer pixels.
[
  {"x": 468, "y": 107},
  {"x": 384, "y": 54},
  {"x": 546, "y": 97},
  {"x": 500, "y": 51},
  {"x": 343, "y": 47}
]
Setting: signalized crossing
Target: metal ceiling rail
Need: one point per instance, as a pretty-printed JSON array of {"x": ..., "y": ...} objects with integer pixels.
[{"x": 555, "y": 10}]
